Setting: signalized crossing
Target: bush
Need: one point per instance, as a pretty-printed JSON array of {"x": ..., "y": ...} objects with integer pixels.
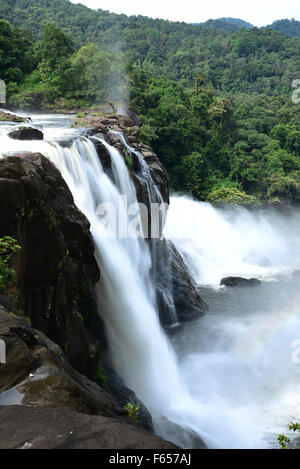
[
  {"x": 100, "y": 377},
  {"x": 8, "y": 246},
  {"x": 133, "y": 411},
  {"x": 286, "y": 187},
  {"x": 285, "y": 442},
  {"x": 231, "y": 196}
]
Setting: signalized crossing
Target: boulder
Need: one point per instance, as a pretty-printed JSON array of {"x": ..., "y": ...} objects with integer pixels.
[
  {"x": 240, "y": 282},
  {"x": 56, "y": 268},
  {"x": 178, "y": 297},
  {"x": 26, "y": 133}
]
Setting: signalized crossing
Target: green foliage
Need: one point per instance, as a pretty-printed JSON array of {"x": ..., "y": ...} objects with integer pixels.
[
  {"x": 133, "y": 411},
  {"x": 286, "y": 442},
  {"x": 230, "y": 195},
  {"x": 8, "y": 246},
  {"x": 100, "y": 377},
  {"x": 193, "y": 173},
  {"x": 286, "y": 187},
  {"x": 214, "y": 99},
  {"x": 290, "y": 27}
]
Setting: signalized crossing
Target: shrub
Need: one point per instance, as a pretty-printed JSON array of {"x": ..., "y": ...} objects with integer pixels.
[
  {"x": 285, "y": 442},
  {"x": 287, "y": 187},
  {"x": 133, "y": 411},
  {"x": 100, "y": 377},
  {"x": 231, "y": 196},
  {"x": 8, "y": 246}
]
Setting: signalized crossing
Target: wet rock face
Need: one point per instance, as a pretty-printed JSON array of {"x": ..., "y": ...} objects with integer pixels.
[
  {"x": 240, "y": 282},
  {"x": 178, "y": 297},
  {"x": 45, "y": 403},
  {"x": 56, "y": 268}
]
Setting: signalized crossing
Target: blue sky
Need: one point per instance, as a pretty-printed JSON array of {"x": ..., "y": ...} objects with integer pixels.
[{"x": 257, "y": 12}]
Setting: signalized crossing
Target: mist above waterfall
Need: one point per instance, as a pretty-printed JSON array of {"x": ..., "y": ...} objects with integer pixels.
[
  {"x": 217, "y": 243},
  {"x": 238, "y": 359}
]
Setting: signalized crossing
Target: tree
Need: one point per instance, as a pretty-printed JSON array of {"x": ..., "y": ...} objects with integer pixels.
[
  {"x": 193, "y": 173},
  {"x": 54, "y": 47}
]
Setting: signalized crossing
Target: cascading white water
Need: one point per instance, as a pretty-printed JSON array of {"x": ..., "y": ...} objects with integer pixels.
[
  {"x": 140, "y": 351},
  {"x": 218, "y": 243},
  {"x": 239, "y": 357},
  {"x": 225, "y": 387},
  {"x": 153, "y": 190}
]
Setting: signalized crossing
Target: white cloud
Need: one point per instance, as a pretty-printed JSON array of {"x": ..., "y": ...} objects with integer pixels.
[{"x": 257, "y": 12}]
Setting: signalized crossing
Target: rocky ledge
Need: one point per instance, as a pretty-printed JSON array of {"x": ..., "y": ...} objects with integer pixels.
[
  {"x": 10, "y": 117},
  {"x": 45, "y": 403}
]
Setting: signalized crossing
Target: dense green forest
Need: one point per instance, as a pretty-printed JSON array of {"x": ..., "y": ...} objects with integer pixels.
[{"x": 215, "y": 100}]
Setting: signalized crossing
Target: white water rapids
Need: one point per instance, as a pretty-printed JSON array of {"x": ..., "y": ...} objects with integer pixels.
[{"x": 228, "y": 376}]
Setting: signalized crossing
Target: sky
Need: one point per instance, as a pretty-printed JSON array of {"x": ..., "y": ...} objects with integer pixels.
[{"x": 257, "y": 12}]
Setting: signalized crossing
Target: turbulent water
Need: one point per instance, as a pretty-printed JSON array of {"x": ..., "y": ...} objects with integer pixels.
[
  {"x": 229, "y": 376},
  {"x": 238, "y": 359}
]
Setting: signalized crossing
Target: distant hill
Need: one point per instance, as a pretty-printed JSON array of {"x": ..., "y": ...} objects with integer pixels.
[
  {"x": 290, "y": 27},
  {"x": 228, "y": 24}
]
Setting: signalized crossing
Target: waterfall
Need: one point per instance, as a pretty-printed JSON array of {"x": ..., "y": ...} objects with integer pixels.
[
  {"x": 218, "y": 243},
  {"x": 142, "y": 170},
  {"x": 238, "y": 357},
  {"x": 140, "y": 351}
]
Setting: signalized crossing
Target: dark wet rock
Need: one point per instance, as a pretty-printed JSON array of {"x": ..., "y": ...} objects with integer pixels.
[
  {"x": 240, "y": 282},
  {"x": 177, "y": 295},
  {"x": 102, "y": 151},
  {"x": 36, "y": 428},
  {"x": 56, "y": 268},
  {"x": 26, "y": 133},
  {"x": 38, "y": 371},
  {"x": 184, "y": 437},
  {"x": 124, "y": 395},
  {"x": 44, "y": 402}
]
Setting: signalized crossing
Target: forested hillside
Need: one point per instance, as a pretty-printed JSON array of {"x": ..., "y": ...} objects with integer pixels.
[
  {"x": 215, "y": 104},
  {"x": 290, "y": 27},
  {"x": 247, "y": 61}
]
